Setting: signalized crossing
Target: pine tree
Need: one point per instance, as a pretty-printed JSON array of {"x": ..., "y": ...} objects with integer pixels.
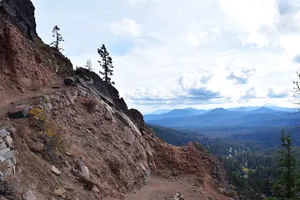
[
  {"x": 106, "y": 64},
  {"x": 88, "y": 65},
  {"x": 285, "y": 186},
  {"x": 58, "y": 38}
]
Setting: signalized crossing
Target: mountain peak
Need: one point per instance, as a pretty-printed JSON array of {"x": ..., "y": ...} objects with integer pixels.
[
  {"x": 262, "y": 110},
  {"x": 219, "y": 110}
]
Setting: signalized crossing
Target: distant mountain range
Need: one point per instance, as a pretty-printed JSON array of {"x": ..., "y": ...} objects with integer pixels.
[
  {"x": 174, "y": 114},
  {"x": 245, "y": 117},
  {"x": 158, "y": 112}
]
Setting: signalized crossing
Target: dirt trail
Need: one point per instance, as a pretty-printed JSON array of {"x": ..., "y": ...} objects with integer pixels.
[
  {"x": 159, "y": 189},
  {"x": 5, "y": 103}
]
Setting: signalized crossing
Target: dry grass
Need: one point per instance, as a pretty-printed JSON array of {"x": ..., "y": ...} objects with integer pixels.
[{"x": 50, "y": 134}]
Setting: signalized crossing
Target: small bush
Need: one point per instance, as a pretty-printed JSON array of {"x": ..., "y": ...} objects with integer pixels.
[
  {"x": 54, "y": 144},
  {"x": 39, "y": 117},
  {"x": 50, "y": 134},
  {"x": 201, "y": 148}
]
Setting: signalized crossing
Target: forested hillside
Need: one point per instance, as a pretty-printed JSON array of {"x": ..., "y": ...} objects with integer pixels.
[{"x": 251, "y": 160}]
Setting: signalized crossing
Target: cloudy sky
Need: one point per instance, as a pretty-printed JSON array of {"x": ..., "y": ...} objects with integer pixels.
[{"x": 185, "y": 53}]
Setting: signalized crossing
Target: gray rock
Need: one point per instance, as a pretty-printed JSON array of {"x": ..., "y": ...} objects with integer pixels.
[
  {"x": 69, "y": 80},
  {"x": 9, "y": 154},
  {"x": 12, "y": 130},
  {"x": 9, "y": 141},
  {"x": 55, "y": 171},
  {"x": 4, "y": 151},
  {"x": 14, "y": 160},
  {"x": 3, "y": 145},
  {"x": 28, "y": 195},
  {"x": 82, "y": 82},
  {"x": 2, "y": 159},
  {"x": 3, "y": 133},
  {"x": 81, "y": 169},
  {"x": 17, "y": 112}
]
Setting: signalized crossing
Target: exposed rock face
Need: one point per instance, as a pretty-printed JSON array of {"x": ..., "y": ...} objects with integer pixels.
[
  {"x": 138, "y": 119},
  {"x": 26, "y": 64},
  {"x": 107, "y": 92},
  {"x": 21, "y": 14},
  {"x": 119, "y": 102}
]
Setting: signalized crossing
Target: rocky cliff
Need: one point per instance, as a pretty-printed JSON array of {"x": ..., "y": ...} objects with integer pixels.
[{"x": 68, "y": 135}]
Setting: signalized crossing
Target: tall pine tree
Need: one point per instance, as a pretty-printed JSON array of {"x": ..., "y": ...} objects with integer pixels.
[
  {"x": 107, "y": 65},
  {"x": 58, "y": 38},
  {"x": 285, "y": 186}
]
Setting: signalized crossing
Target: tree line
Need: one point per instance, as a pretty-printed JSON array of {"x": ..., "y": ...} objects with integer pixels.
[{"x": 105, "y": 62}]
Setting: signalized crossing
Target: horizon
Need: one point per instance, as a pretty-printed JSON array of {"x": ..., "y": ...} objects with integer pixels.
[
  {"x": 173, "y": 55},
  {"x": 162, "y": 111}
]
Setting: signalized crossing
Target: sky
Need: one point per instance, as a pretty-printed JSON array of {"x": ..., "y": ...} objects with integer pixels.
[{"x": 185, "y": 53}]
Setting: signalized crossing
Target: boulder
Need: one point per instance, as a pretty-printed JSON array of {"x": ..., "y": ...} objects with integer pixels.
[
  {"x": 3, "y": 145},
  {"x": 36, "y": 146},
  {"x": 69, "y": 80},
  {"x": 82, "y": 82},
  {"x": 83, "y": 171},
  {"x": 2, "y": 159},
  {"x": 28, "y": 195},
  {"x": 17, "y": 112},
  {"x": 9, "y": 155},
  {"x": 3, "y": 133},
  {"x": 9, "y": 141},
  {"x": 55, "y": 171},
  {"x": 4, "y": 151},
  {"x": 59, "y": 192}
]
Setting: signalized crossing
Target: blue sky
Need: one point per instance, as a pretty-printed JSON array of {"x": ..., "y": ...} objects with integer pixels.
[{"x": 191, "y": 53}]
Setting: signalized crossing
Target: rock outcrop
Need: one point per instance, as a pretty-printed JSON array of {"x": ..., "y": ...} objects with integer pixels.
[
  {"x": 105, "y": 91},
  {"x": 21, "y": 14},
  {"x": 26, "y": 64}
]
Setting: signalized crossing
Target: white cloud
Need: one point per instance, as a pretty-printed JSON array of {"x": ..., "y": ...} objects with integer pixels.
[
  {"x": 126, "y": 27},
  {"x": 278, "y": 93},
  {"x": 156, "y": 43}
]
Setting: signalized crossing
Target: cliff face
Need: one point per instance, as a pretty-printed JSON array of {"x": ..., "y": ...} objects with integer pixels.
[
  {"x": 78, "y": 141},
  {"x": 21, "y": 14},
  {"x": 26, "y": 63}
]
